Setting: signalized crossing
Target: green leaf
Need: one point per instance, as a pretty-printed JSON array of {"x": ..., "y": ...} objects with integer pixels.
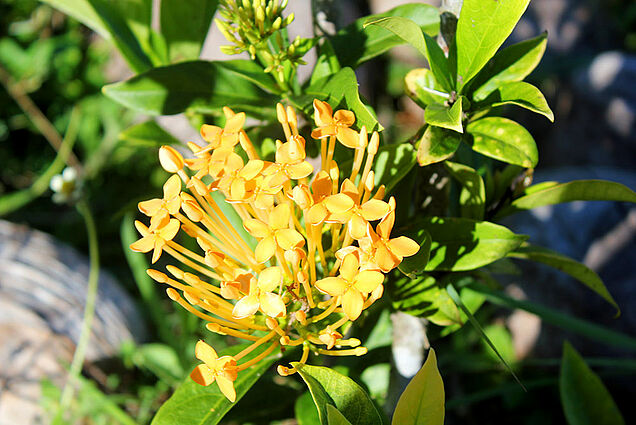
[
  {"x": 436, "y": 145},
  {"x": 472, "y": 196},
  {"x": 420, "y": 85},
  {"x": 514, "y": 63},
  {"x": 585, "y": 399},
  {"x": 577, "y": 190},
  {"x": 305, "y": 410},
  {"x": 567, "y": 265},
  {"x": 330, "y": 387},
  {"x": 502, "y": 339},
  {"x": 122, "y": 29},
  {"x": 334, "y": 417},
  {"x": 460, "y": 244},
  {"x": 355, "y": 45},
  {"x": 185, "y": 25},
  {"x": 341, "y": 91},
  {"x": 415, "y": 264},
  {"x": 327, "y": 63},
  {"x": 422, "y": 402},
  {"x": 455, "y": 296},
  {"x": 482, "y": 27},
  {"x": 439, "y": 115},
  {"x": 197, "y": 86},
  {"x": 556, "y": 318},
  {"x": 425, "y": 298},
  {"x": 392, "y": 163},
  {"x": 149, "y": 134},
  {"x": 410, "y": 32},
  {"x": 192, "y": 403},
  {"x": 160, "y": 359},
  {"x": 521, "y": 94},
  {"x": 505, "y": 140},
  {"x": 472, "y": 299}
]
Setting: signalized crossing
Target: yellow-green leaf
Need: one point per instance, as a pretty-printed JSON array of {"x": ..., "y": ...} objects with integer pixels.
[{"x": 422, "y": 402}]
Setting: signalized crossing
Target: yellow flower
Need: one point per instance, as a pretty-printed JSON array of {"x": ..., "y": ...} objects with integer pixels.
[
  {"x": 155, "y": 239},
  {"x": 273, "y": 294},
  {"x": 276, "y": 234},
  {"x": 330, "y": 124},
  {"x": 261, "y": 296},
  {"x": 352, "y": 285},
  {"x": 223, "y": 370}
]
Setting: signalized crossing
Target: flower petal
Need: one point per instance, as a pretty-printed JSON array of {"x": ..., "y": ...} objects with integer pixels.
[
  {"x": 270, "y": 278},
  {"x": 256, "y": 228},
  {"x": 368, "y": 280},
  {"x": 205, "y": 353},
  {"x": 349, "y": 267},
  {"x": 279, "y": 217},
  {"x": 322, "y": 113},
  {"x": 321, "y": 186},
  {"x": 386, "y": 225},
  {"x": 344, "y": 117},
  {"x": 234, "y": 123},
  {"x": 338, "y": 203},
  {"x": 170, "y": 230},
  {"x": 227, "y": 387},
  {"x": 202, "y": 375},
  {"x": 385, "y": 259},
  {"x": 289, "y": 238},
  {"x": 265, "y": 249},
  {"x": 144, "y": 244},
  {"x": 272, "y": 304},
  {"x": 352, "y": 303},
  {"x": 374, "y": 209},
  {"x": 150, "y": 207},
  {"x": 172, "y": 187},
  {"x": 403, "y": 246},
  {"x": 300, "y": 170},
  {"x": 348, "y": 137},
  {"x": 317, "y": 214},
  {"x": 245, "y": 307},
  {"x": 357, "y": 227},
  {"x": 333, "y": 286},
  {"x": 251, "y": 169}
]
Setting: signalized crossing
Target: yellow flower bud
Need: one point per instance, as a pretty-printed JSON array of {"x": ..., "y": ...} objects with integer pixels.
[{"x": 170, "y": 159}]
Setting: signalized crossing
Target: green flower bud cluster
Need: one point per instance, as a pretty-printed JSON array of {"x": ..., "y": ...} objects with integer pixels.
[
  {"x": 247, "y": 24},
  {"x": 292, "y": 53}
]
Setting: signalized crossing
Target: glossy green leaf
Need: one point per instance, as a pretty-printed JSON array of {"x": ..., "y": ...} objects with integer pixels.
[
  {"x": 425, "y": 298},
  {"x": 305, "y": 410},
  {"x": 472, "y": 196},
  {"x": 514, "y": 63},
  {"x": 421, "y": 86},
  {"x": 355, "y": 45},
  {"x": 481, "y": 29},
  {"x": 149, "y": 134},
  {"x": 341, "y": 91},
  {"x": 330, "y": 387},
  {"x": 521, "y": 94},
  {"x": 122, "y": 29},
  {"x": 192, "y": 403},
  {"x": 455, "y": 296},
  {"x": 334, "y": 417},
  {"x": 585, "y": 399},
  {"x": 198, "y": 86},
  {"x": 327, "y": 63},
  {"x": 415, "y": 264},
  {"x": 567, "y": 265},
  {"x": 502, "y": 339},
  {"x": 460, "y": 244},
  {"x": 436, "y": 145},
  {"x": 578, "y": 190},
  {"x": 392, "y": 163},
  {"x": 471, "y": 299},
  {"x": 185, "y": 25},
  {"x": 505, "y": 140},
  {"x": 440, "y": 115},
  {"x": 422, "y": 402},
  {"x": 410, "y": 33},
  {"x": 555, "y": 317}
]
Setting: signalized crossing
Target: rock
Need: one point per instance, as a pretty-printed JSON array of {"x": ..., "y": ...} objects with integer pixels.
[{"x": 42, "y": 293}]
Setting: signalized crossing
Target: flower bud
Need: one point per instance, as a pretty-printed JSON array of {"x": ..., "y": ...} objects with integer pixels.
[{"x": 170, "y": 159}]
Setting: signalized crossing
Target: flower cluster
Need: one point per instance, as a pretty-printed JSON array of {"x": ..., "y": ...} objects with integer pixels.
[{"x": 316, "y": 249}]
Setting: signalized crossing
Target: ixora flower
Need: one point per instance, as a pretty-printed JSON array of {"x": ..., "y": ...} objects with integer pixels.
[{"x": 315, "y": 254}]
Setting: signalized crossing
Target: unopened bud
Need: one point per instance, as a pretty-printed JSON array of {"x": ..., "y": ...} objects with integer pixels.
[
  {"x": 176, "y": 272},
  {"x": 369, "y": 183},
  {"x": 374, "y": 143},
  {"x": 170, "y": 159},
  {"x": 280, "y": 113},
  {"x": 191, "y": 298},
  {"x": 174, "y": 295},
  {"x": 156, "y": 275}
]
